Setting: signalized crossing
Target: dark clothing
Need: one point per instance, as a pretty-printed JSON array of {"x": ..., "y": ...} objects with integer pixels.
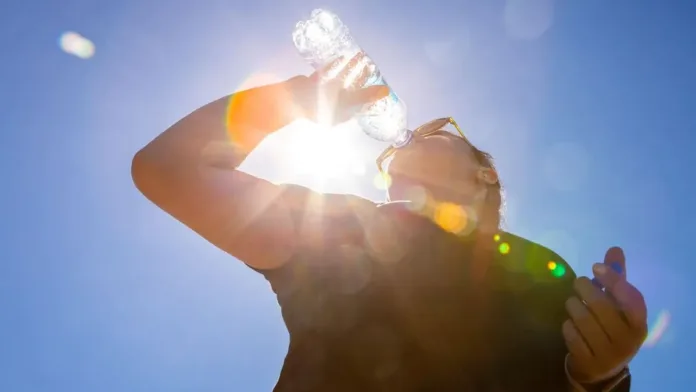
[{"x": 388, "y": 301}]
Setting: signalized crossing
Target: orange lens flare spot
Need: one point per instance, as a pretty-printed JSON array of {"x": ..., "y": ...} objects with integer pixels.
[
  {"x": 234, "y": 116},
  {"x": 451, "y": 217},
  {"x": 252, "y": 114}
]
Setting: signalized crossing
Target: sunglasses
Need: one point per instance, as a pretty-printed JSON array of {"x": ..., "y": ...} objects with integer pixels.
[{"x": 427, "y": 129}]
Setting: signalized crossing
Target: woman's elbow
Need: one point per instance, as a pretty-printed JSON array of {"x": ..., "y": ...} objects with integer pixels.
[
  {"x": 143, "y": 171},
  {"x": 138, "y": 169},
  {"x": 161, "y": 175}
]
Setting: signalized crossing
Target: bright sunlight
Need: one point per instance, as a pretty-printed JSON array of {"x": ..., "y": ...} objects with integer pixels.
[
  {"x": 305, "y": 152},
  {"x": 311, "y": 155},
  {"x": 323, "y": 152}
]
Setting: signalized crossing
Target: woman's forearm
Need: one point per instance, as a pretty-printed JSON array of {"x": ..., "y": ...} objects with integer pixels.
[
  {"x": 221, "y": 133},
  {"x": 253, "y": 114}
]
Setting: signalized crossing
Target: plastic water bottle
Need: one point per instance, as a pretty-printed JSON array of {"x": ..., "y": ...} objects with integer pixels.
[{"x": 322, "y": 39}]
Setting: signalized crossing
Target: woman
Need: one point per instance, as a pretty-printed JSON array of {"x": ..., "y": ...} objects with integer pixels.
[{"x": 424, "y": 294}]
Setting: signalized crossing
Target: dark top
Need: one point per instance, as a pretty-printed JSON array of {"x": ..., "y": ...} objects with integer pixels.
[{"x": 388, "y": 301}]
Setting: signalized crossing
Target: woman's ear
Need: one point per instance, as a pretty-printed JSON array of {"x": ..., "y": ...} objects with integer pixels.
[{"x": 488, "y": 175}]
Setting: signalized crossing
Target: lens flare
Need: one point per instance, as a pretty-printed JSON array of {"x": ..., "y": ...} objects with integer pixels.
[
  {"x": 559, "y": 271},
  {"x": 451, "y": 217},
  {"x": 658, "y": 328},
  {"x": 418, "y": 198},
  {"x": 241, "y": 111},
  {"x": 76, "y": 45},
  {"x": 504, "y": 248},
  {"x": 382, "y": 181}
]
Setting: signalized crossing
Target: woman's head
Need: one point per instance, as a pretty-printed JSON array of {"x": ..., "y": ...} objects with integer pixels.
[{"x": 448, "y": 170}]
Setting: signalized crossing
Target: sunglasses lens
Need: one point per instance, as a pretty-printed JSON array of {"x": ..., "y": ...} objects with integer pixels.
[
  {"x": 424, "y": 129},
  {"x": 432, "y": 126}
]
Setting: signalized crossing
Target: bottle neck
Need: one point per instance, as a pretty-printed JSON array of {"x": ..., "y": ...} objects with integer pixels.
[{"x": 404, "y": 139}]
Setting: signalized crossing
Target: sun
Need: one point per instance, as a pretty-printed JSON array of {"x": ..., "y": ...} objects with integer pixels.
[
  {"x": 308, "y": 153},
  {"x": 320, "y": 154}
]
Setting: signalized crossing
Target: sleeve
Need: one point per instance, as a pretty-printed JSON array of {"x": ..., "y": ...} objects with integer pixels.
[
  {"x": 625, "y": 385},
  {"x": 615, "y": 384}
]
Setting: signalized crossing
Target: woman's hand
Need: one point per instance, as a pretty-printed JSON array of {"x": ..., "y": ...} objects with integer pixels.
[
  {"x": 334, "y": 94},
  {"x": 606, "y": 327}
]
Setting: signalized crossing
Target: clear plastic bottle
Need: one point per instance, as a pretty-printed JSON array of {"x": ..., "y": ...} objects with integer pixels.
[{"x": 322, "y": 39}]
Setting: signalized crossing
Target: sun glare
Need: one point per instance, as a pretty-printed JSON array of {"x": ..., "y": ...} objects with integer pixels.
[
  {"x": 321, "y": 153},
  {"x": 305, "y": 152}
]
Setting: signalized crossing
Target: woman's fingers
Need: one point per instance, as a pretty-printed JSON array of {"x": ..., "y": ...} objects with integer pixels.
[
  {"x": 351, "y": 102},
  {"x": 345, "y": 73},
  {"x": 574, "y": 341},
  {"x": 355, "y": 73},
  {"x": 329, "y": 71},
  {"x": 363, "y": 96},
  {"x": 338, "y": 91}
]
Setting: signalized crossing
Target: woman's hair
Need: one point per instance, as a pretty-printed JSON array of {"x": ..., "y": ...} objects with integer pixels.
[{"x": 492, "y": 213}]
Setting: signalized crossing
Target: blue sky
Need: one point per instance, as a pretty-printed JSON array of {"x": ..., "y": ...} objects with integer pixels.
[{"x": 585, "y": 105}]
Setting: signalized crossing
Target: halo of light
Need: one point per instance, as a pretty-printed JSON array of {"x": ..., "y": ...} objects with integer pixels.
[
  {"x": 77, "y": 45},
  {"x": 358, "y": 169},
  {"x": 306, "y": 151},
  {"x": 451, "y": 217},
  {"x": 418, "y": 198},
  {"x": 658, "y": 328},
  {"x": 382, "y": 181}
]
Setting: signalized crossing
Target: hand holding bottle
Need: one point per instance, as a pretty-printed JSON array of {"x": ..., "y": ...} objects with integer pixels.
[
  {"x": 334, "y": 94},
  {"x": 324, "y": 37}
]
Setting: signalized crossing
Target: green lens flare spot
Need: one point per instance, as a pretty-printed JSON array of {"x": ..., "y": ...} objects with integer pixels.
[
  {"x": 504, "y": 248},
  {"x": 559, "y": 271}
]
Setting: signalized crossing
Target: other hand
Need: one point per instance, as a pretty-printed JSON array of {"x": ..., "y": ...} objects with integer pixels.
[
  {"x": 334, "y": 94},
  {"x": 606, "y": 327}
]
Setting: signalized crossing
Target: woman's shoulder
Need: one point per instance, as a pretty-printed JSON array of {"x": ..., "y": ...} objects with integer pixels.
[
  {"x": 539, "y": 280},
  {"x": 542, "y": 263}
]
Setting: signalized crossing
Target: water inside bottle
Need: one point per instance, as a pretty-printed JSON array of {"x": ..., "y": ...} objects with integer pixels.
[{"x": 321, "y": 40}]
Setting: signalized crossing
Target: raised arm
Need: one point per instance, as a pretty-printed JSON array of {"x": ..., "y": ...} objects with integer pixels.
[{"x": 190, "y": 170}]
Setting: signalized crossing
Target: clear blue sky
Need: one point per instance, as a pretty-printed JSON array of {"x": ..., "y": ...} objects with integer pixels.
[{"x": 588, "y": 107}]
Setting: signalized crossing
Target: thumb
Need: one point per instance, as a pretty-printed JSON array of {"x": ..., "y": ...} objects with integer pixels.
[{"x": 616, "y": 260}]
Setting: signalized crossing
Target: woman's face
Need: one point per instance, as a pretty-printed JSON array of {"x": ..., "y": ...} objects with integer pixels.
[{"x": 443, "y": 165}]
